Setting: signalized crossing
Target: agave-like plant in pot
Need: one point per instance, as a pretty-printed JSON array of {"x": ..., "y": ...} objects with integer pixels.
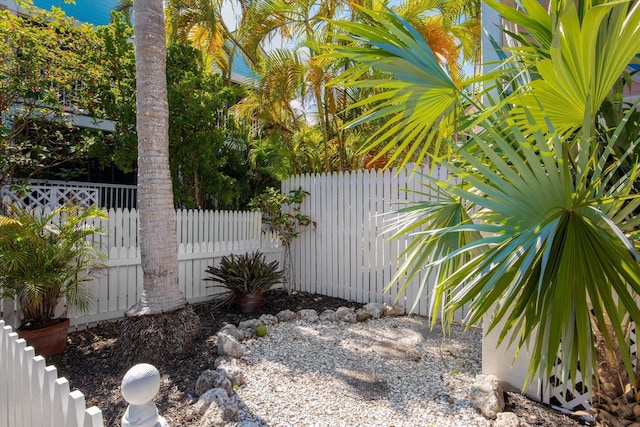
[
  {"x": 245, "y": 278},
  {"x": 46, "y": 260}
]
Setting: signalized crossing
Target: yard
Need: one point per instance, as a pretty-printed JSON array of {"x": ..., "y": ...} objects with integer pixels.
[{"x": 383, "y": 372}]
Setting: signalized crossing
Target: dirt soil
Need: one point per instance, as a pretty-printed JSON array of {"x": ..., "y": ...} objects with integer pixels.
[{"x": 90, "y": 366}]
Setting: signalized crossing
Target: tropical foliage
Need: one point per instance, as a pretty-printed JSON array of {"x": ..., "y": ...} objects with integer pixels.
[
  {"x": 248, "y": 274},
  {"x": 41, "y": 63},
  {"x": 207, "y": 170},
  {"x": 537, "y": 226},
  {"x": 300, "y": 119},
  {"x": 46, "y": 258}
]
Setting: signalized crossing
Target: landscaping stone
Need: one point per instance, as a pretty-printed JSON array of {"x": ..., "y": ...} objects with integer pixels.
[
  {"x": 362, "y": 315},
  {"x": 248, "y": 324},
  {"x": 328, "y": 316},
  {"x": 376, "y": 310},
  {"x": 308, "y": 315},
  {"x": 346, "y": 314},
  {"x": 487, "y": 395},
  {"x": 392, "y": 310},
  {"x": 229, "y": 346},
  {"x": 268, "y": 319},
  {"x": 213, "y": 379},
  {"x": 221, "y": 360},
  {"x": 217, "y": 408},
  {"x": 286, "y": 316},
  {"x": 509, "y": 419},
  {"x": 233, "y": 331},
  {"x": 232, "y": 371}
]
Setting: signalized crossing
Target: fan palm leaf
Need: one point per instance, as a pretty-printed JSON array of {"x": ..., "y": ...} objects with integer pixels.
[
  {"x": 587, "y": 56},
  {"x": 554, "y": 266},
  {"x": 416, "y": 94}
]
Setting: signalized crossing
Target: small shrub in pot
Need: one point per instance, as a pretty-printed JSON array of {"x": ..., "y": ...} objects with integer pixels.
[
  {"x": 245, "y": 275},
  {"x": 46, "y": 260}
]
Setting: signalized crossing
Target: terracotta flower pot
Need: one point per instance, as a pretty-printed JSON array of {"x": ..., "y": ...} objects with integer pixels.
[
  {"x": 249, "y": 303},
  {"x": 47, "y": 341}
]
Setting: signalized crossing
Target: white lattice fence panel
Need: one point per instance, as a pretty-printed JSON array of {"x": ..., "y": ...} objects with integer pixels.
[
  {"x": 43, "y": 196},
  {"x": 79, "y": 196},
  {"x": 575, "y": 396}
]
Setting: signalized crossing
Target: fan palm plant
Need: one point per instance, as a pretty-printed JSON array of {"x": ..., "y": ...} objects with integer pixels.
[{"x": 538, "y": 224}]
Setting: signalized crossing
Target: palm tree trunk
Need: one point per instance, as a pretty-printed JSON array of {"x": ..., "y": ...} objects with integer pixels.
[
  {"x": 158, "y": 247},
  {"x": 161, "y": 324}
]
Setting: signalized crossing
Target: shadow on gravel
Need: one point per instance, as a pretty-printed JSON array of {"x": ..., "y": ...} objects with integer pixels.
[{"x": 397, "y": 362}]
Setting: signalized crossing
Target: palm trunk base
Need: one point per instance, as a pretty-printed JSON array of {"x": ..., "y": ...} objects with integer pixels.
[
  {"x": 615, "y": 401},
  {"x": 620, "y": 412},
  {"x": 157, "y": 337}
]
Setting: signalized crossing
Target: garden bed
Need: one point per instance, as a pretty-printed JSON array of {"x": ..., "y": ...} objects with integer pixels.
[{"x": 275, "y": 371}]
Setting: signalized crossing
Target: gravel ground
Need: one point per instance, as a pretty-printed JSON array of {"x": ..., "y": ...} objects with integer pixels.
[
  {"x": 389, "y": 372},
  {"x": 385, "y": 372}
]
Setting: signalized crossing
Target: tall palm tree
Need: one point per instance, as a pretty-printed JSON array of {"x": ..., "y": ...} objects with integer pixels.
[
  {"x": 161, "y": 306},
  {"x": 538, "y": 225},
  {"x": 201, "y": 23},
  {"x": 307, "y": 26}
]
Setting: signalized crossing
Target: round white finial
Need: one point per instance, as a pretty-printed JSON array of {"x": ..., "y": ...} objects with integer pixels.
[{"x": 140, "y": 384}]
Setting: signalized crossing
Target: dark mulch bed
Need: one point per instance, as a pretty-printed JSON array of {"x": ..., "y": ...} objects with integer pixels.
[{"x": 90, "y": 366}]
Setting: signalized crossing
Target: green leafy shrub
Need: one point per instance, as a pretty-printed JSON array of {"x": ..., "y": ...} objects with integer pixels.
[
  {"x": 46, "y": 259},
  {"x": 247, "y": 274},
  {"x": 283, "y": 213}
]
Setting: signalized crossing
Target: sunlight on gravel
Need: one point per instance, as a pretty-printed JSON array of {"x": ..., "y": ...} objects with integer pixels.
[{"x": 385, "y": 372}]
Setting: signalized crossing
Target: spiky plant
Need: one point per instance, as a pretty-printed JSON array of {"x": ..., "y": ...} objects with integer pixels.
[{"x": 248, "y": 274}]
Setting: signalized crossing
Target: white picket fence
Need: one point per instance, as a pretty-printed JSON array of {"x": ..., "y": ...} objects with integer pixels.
[
  {"x": 203, "y": 237},
  {"x": 32, "y": 395},
  {"x": 348, "y": 254}
]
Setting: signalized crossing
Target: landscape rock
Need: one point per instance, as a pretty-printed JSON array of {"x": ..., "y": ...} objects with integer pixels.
[
  {"x": 376, "y": 310},
  {"x": 248, "y": 324},
  {"x": 233, "y": 372},
  {"x": 362, "y": 315},
  {"x": 393, "y": 310},
  {"x": 213, "y": 379},
  {"x": 509, "y": 419},
  {"x": 268, "y": 319},
  {"x": 308, "y": 315},
  {"x": 221, "y": 360},
  {"x": 231, "y": 330},
  {"x": 218, "y": 409},
  {"x": 286, "y": 316},
  {"x": 229, "y": 346},
  {"x": 328, "y": 316},
  {"x": 487, "y": 395},
  {"x": 346, "y": 314}
]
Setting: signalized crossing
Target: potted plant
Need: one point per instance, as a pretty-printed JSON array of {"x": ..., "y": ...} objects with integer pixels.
[
  {"x": 245, "y": 278},
  {"x": 45, "y": 261}
]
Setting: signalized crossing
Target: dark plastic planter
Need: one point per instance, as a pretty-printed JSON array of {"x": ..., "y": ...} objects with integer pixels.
[{"x": 249, "y": 303}]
